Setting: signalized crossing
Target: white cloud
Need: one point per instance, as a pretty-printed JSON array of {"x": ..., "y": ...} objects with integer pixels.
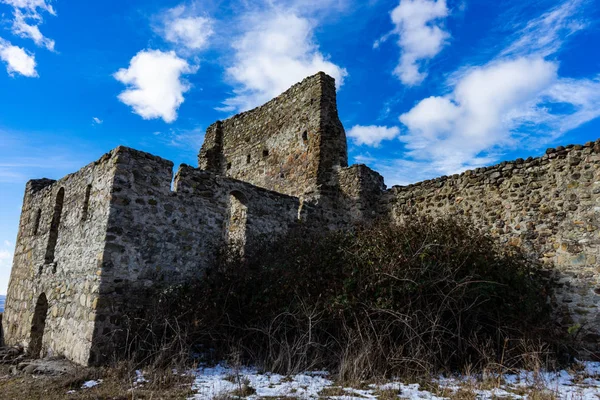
[
  {"x": 31, "y": 5},
  {"x": 155, "y": 86},
  {"x": 97, "y": 120},
  {"x": 418, "y": 25},
  {"x": 17, "y": 59},
  {"x": 516, "y": 99},
  {"x": 23, "y": 29},
  {"x": 28, "y": 17},
  {"x": 183, "y": 27},
  {"x": 372, "y": 135},
  {"x": 483, "y": 111},
  {"x": 277, "y": 51},
  {"x": 546, "y": 34}
]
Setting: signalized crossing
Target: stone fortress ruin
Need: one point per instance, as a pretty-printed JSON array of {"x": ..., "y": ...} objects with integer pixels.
[{"x": 94, "y": 243}]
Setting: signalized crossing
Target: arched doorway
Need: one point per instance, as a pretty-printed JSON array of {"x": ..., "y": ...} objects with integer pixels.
[
  {"x": 38, "y": 324},
  {"x": 238, "y": 216}
]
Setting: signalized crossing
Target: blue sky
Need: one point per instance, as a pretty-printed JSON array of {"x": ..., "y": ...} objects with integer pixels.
[{"x": 426, "y": 87}]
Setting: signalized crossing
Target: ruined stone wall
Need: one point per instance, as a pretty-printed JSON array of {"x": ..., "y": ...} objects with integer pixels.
[
  {"x": 158, "y": 237},
  {"x": 360, "y": 190},
  {"x": 290, "y": 145},
  {"x": 269, "y": 213},
  {"x": 69, "y": 280},
  {"x": 549, "y": 205},
  {"x": 123, "y": 233}
]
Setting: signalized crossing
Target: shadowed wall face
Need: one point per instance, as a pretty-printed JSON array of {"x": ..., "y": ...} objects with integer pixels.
[
  {"x": 550, "y": 206},
  {"x": 54, "y": 287},
  {"x": 291, "y": 145}
]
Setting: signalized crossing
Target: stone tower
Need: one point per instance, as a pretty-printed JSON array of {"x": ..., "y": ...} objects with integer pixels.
[{"x": 294, "y": 144}]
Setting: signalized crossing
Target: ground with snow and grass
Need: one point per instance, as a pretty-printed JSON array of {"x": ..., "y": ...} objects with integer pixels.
[{"x": 222, "y": 382}]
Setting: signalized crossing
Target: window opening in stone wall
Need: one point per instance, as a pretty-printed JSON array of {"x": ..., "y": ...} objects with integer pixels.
[
  {"x": 38, "y": 324},
  {"x": 238, "y": 218},
  {"x": 248, "y": 158},
  {"x": 305, "y": 137},
  {"x": 265, "y": 153},
  {"x": 53, "y": 237},
  {"x": 86, "y": 203},
  {"x": 36, "y": 222},
  {"x": 228, "y": 165}
]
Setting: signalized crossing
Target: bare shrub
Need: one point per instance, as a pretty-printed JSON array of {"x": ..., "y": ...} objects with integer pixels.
[{"x": 405, "y": 300}]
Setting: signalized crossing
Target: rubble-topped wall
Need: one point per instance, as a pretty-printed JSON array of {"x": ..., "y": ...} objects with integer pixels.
[
  {"x": 62, "y": 280},
  {"x": 549, "y": 205},
  {"x": 291, "y": 145},
  {"x": 157, "y": 237}
]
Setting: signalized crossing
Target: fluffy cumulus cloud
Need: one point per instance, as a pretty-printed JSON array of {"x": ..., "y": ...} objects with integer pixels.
[
  {"x": 27, "y": 16},
  {"x": 18, "y": 61},
  {"x": 155, "y": 84},
  {"x": 501, "y": 105},
  {"x": 184, "y": 27},
  {"x": 276, "y": 51},
  {"x": 516, "y": 99},
  {"x": 372, "y": 135},
  {"x": 418, "y": 25},
  {"x": 486, "y": 106}
]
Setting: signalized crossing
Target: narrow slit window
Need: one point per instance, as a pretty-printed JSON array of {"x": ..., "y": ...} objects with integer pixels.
[
  {"x": 248, "y": 159},
  {"x": 36, "y": 222},
  {"x": 54, "y": 226},
  {"x": 305, "y": 137},
  {"x": 86, "y": 203}
]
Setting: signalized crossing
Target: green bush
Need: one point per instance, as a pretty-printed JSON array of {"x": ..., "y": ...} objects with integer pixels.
[{"x": 420, "y": 297}]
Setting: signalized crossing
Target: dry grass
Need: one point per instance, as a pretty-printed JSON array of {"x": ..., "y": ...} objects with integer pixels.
[
  {"x": 114, "y": 386},
  {"x": 244, "y": 390},
  {"x": 333, "y": 391}
]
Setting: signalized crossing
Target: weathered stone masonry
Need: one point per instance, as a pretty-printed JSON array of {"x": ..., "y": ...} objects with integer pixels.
[
  {"x": 292, "y": 145},
  {"x": 548, "y": 205},
  {"x": 92, "y": 245},
  {"x": 69, "y": 280},
  {"x": 137, "y": 234}
]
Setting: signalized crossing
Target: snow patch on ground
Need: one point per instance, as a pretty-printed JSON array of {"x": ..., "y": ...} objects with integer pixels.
[
  {"x": 584, "y": 384},
  {"x": 139, "y": 378},
  {"x": 90, "y": 384}
]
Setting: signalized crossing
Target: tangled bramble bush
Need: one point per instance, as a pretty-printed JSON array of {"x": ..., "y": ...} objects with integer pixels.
[{"x": 420, "y": 297}]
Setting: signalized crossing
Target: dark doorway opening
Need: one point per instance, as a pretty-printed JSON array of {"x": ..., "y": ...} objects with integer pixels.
[{"x": 37, "y": 326}]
